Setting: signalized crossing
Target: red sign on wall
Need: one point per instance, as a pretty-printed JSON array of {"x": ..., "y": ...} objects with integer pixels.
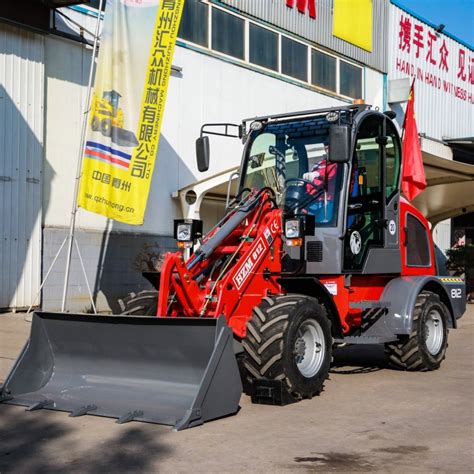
[
  {"x": 303, "y": 6},
  {"x": 434, "y": 59}
]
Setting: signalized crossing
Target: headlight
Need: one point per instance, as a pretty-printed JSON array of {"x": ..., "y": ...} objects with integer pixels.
[
  {"x": 292, "y": 229},
  {"x": 183, "y": 232},
  {"x": 255, "y": 126}
]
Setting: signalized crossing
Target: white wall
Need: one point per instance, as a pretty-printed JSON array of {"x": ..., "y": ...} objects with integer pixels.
[
  {"x": 442, "y": 235},
  {"x": 66, "y": 69},
  {"x": 374, "y": 88}
]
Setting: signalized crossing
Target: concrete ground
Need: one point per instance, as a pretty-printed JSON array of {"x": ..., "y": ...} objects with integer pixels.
[{"x": 369, "y": 418}]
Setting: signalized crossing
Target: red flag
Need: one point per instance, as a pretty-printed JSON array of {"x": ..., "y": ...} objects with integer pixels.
[{"x": 413, "y": 173}]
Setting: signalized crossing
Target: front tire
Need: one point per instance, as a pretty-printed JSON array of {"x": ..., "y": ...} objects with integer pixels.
[
  {"x": 144, "y": 303},
  {"x": 106, "y": 128},
  {"x": 425, "y": 348},
  {"x": 289, "y": 339}
]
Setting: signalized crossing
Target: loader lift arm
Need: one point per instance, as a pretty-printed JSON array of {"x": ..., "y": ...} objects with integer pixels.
[{"x": 243, "y": 250}]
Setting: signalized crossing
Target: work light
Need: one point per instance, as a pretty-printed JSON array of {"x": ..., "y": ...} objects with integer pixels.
[
  {"x": 186, "y": 232},
  {"x": 183, "y": 233},
  {"x": 292, "y": 229}
]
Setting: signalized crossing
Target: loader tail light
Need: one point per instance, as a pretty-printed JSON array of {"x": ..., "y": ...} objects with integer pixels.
[
  {"x": 184, "y": 245},
  {"x": 294, "y": 242}
]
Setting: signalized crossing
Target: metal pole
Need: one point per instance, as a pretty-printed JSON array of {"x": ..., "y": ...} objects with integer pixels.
[
  {"x": 85, "y": 277},
  {"x": 79, "y": 160},
  {"x": 27, "y": 317}
]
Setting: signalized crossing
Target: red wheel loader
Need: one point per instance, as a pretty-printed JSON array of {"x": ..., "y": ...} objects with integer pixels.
[{"x": 316, "y": 249}]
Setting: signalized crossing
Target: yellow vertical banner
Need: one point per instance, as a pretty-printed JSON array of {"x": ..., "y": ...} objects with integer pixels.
[
  {"x": 127, "y": 106},
  {"x": 353, "y": 21}
]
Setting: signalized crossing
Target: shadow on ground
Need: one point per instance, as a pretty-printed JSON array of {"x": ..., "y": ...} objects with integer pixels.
[
  {"x": 359, "y": 358},
  {"x": 38, "y": 443}
]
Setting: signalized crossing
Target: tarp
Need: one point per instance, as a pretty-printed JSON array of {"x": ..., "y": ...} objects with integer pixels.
[{"x": 450, "y": 189}]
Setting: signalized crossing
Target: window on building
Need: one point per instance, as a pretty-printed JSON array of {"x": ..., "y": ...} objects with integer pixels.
[
  {"x": 417, "y": 245},
  {"x": 194, "y": 24},
  {"x": 350, "y": 80},
  {"x": 228, "y": 33},
  {"x": 263, "y": 49},
  {"x": 294, "y": 59},
  {"x": 96, "y": 3},
  {"x": 323, "y": 70}
]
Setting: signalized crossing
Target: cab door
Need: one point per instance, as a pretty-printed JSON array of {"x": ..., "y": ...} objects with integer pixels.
[{"x": 365, "y": 220}]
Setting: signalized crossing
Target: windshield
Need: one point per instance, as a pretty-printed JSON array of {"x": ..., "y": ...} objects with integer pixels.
[{"x": 292, "y": 159}]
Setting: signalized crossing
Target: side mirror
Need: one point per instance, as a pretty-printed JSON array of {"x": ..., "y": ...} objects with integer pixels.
[
  {"x": 339, "y": 144},
  {"x": 202, "y": 153}
]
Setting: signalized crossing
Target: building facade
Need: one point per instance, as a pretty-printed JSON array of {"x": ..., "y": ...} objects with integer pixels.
[
  {"x": 233, "y": 59},
  {"x": 442, "y": 69}
]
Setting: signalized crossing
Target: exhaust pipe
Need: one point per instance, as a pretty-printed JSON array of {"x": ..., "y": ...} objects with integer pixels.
[{"x": 173, "y": 371}]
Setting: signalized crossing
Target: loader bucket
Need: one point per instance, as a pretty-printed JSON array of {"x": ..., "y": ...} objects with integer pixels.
[{"x": 174, "y": 371}]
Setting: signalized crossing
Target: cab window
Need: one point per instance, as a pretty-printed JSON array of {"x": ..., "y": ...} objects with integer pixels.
[
  {"x": 364, "y": 210},
  {"x": 392, "y": 170},
  {"x": 417, "y": 244}
]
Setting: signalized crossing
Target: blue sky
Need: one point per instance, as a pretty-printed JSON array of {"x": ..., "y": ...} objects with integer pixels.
[{"x": 457, "y": 15}]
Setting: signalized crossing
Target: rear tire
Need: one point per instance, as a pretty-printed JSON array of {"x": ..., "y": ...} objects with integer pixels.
[
  {"x": 95, "y": 125},
  {"x": 144, "y": 303},
  {"x": 289, "y": 339},
  {"x": 425, "y": 348}
]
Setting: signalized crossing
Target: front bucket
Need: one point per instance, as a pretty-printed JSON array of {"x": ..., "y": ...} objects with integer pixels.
[{"x": 175, "y": 371}]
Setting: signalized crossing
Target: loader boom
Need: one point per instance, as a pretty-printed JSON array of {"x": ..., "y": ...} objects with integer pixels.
[{"x": 235, "y": 267}]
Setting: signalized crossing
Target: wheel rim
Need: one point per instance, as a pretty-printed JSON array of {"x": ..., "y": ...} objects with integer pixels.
[
  {"x": 434, "y": 332},
  {"x": 310, "y": 348}
]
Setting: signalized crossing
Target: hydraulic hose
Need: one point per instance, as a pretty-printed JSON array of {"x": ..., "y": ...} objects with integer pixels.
[{"x": 233, "y": 222}]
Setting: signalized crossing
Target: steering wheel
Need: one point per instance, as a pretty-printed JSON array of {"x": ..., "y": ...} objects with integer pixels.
[
  {"x": 304, "y": 181},
  {"x": 297, "y": 195}
]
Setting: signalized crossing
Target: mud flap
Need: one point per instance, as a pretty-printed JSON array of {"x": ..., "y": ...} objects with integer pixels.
[{"x": 173, "y": 371}]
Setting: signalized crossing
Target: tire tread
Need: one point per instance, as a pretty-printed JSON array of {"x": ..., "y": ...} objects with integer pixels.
[
  {"x": 143, "y": 303},
  {"x": 406, "y": 353},
  {"x": 264, "y": 354}
]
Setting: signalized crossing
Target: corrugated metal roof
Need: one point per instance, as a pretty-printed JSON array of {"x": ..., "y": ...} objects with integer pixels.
[
  {"x": 21, "y": 162},
  {"x": 319, "y": 30}
]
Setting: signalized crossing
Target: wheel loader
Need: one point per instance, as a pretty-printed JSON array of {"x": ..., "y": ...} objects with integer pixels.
[
  {"x": 106, "y": 113},
  {"x": 317, "y": 248}
]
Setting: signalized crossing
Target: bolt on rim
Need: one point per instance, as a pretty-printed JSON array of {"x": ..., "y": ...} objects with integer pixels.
[
  {"x": 434, "y": 332},
  {"x": 309, "y": 348}
]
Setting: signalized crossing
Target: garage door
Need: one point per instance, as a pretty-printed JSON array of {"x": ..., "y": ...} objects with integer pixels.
[{"x": 21, "y": 159}]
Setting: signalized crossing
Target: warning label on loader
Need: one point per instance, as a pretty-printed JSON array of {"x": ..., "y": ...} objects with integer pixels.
[{"x": 250, "y": 262}]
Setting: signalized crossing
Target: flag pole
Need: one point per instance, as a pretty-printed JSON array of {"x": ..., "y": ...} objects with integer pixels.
[
  {"x": 405, "y": 116},
  {"x": 72, "y": 225}
]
